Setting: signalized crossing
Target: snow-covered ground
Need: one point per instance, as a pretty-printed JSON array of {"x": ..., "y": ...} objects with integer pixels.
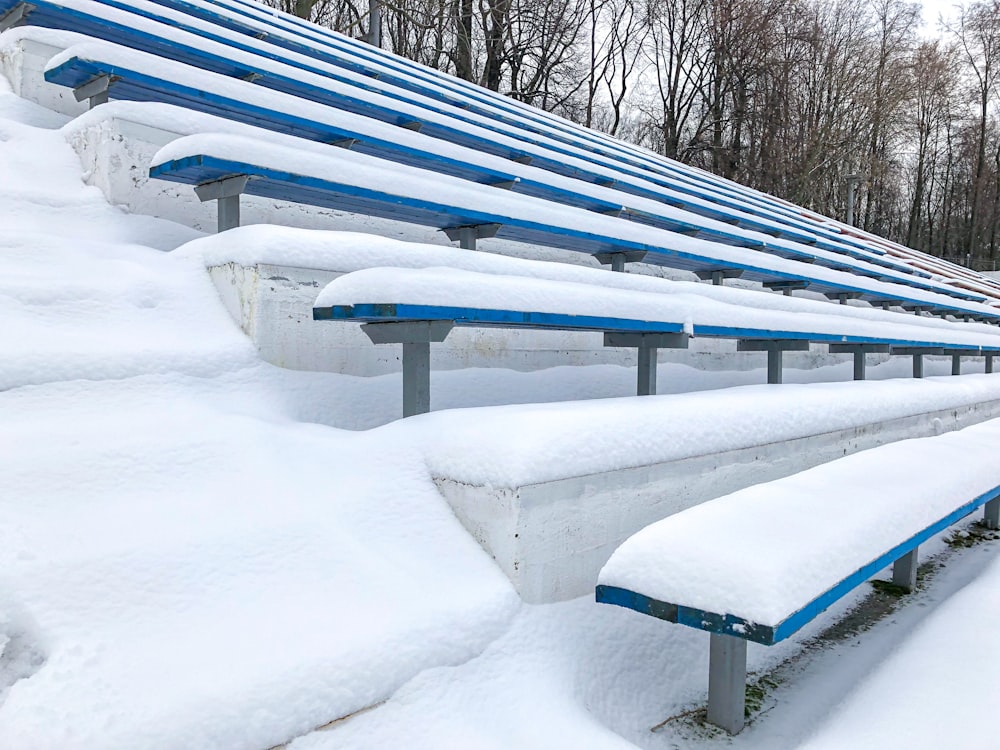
[{"x": 200, "y": 550}]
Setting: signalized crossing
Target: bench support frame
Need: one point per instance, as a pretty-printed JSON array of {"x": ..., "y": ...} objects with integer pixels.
[
  {"x": 859, "y": 351},
  {"x": 618, "y": 260},
  {"x": 775, "y": 349},
  {"x": 718, "y": 276},
  {"x": 96, "y": 90},
  {"x": 647, "y": 344},
  {"x": 416, "y": 337},
  {"x": 467, "y": 236},
  {"x": 727, "y": 678},
  {"x": 786, "y": 287},
  {"x": 918, "y": 353},
  {"x": 227, "y": 193}
]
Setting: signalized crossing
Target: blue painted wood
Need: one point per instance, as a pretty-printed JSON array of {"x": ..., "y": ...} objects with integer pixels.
[
  {"x": 477, "y": 317},
  {"x": 197, "y": 57},
  {"x": 768, "y": 635},
  {"x": 281, "y": 185}
]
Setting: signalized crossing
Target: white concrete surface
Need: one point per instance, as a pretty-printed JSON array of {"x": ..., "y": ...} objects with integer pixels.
[{"x": 552, "y": 539}]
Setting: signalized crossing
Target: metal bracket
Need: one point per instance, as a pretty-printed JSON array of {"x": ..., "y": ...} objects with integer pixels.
[
  {"x": 227, "y": 187},
  {"x": 918, "y": 353},
  {"x": 466, "y": 236},
  {"x": 719, "y": 275},
  {"x": 15, "y": 16},
  {"x": 408, "y": 331},
  {"x": 347, "y": 143},
  {"x": 617, "y": 260},
  {"x": 415, "y": 125},
  {"x": 842, "y": 297},
  {"x": 504, "y": 184},
  {"x": 786, "y": 287},
  {"x": 95, "y": 90},
  {"x": 252, "y": 76},
  {"x": 859, "y": 351},
  {"x": 522, "y": 159}
]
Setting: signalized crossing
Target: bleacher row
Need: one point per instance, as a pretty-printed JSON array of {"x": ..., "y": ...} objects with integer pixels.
[{"x": 332, "y": 122}]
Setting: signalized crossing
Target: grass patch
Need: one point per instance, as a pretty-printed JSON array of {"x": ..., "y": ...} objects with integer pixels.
[
  {"x": 756, "y": 693},
  {"x": 970, "y": 536},
  {"x": 889, "y": 588}
]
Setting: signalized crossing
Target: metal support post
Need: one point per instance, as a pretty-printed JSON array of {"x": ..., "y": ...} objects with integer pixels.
[
  {"x": 859, "y": 364},
  {"x": 618, "y": 262},
  {"x": 227, "y": 192},
  {"x": 956, "y": 364},
  {"x": 774, "y": 370},
  {"x": 229, "y": 212},
  {"x": 646, "y": 385},
  {"x": 904, "y": 570},
  {"x": 648, "y": 345},
  {"x": 727, "y": 679},
  {"x": 775, "y": 350},
  {"x": 466, "y": 236},
  {"x": 989, "y": 364},
  {"x": 918, "y": 365},
  {"x": 96, "y": 90},
  {"x": 416, "y": 378},
  {"x": 416, "y": 337},
  {"x": 991, "y": 514}
]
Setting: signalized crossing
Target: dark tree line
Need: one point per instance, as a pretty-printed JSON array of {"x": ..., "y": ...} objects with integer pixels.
[{"x": 787, "y": 96}]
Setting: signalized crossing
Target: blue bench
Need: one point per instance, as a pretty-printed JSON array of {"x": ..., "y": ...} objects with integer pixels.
[
  {"x": 349, "y": 182},
  {"x": 388, "y": 319},
  {"x": 128, "y": 74},
  {"x": 112, "y": 24},
  {"x": 760, "y": 564}
]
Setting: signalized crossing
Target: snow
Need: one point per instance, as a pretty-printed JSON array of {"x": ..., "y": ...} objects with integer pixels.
[
  {"x": 951, "y": 658},
  {"x": 558, "y": 440},
  {"x": 369, "y": 173},
  {"x": 122, "y": 58},
  {"x": 836, "y": 518},
  {"x": 193, "y": 554},
  {"x": 445, "y": 287},
  {"x": 185, "y": 563}
]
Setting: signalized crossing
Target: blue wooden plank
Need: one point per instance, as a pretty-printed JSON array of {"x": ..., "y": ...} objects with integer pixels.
[
  {"x": 492, "y": 318},
  {"x": 281, "y": 185},
  {"x": 767, "y": 635}
]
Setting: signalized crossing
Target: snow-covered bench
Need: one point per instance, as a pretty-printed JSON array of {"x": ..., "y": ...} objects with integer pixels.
[
  {"x": 761, "y": 563},
  {"x": 138, "y": 76},
  {"x": 224, "y": 167},
  {"x": 201, "y": 36},
  {"x": 416, "y": 307}
]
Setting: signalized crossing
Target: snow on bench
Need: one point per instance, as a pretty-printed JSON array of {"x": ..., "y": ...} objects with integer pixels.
[
  {"x": 188, "y": 39},
  {"x": 759, "y": 564},
  {"x": 139, "y": 76},
  {"x": 339, "y": 51},
  {"x": 416, "y": 307},
  {"x": 223, "y": 167}
]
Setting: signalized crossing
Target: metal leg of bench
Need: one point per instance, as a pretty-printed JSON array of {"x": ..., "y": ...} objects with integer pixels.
[
  {"x": 618, "y": 262},
  {"x": 727, "y": 679},
  {"x": 991, "y": 514},
  {"x": 229, "y": 212},
  {"x": 956, "y": 364},
  {"x": 918, "y": 365},
  {"x": 859, "y": 364},
  {"x": 647, "y": 371},
  {"x": 774, "y": 357},
  {"x": 416, "y": 378},
  {"x": 989, "y": 364},
  {"x": 904, "y": 570}
]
